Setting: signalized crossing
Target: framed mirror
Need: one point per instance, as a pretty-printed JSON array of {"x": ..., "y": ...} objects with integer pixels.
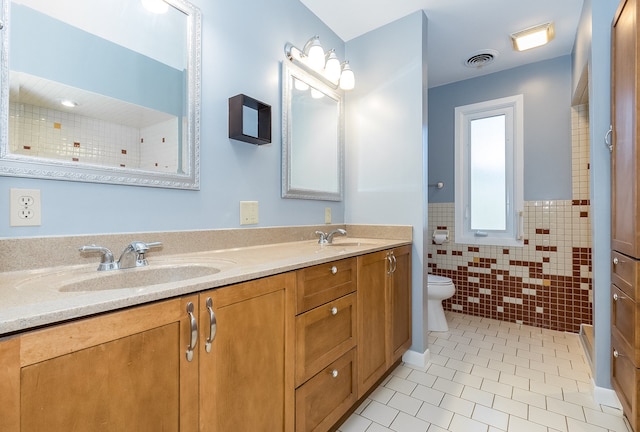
[
  {"x": 312, "y": 137},
  {"x": 105, "y": 91}
]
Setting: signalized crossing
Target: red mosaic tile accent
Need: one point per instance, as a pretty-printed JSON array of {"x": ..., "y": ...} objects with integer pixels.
[{"x": 564, "y": 301}]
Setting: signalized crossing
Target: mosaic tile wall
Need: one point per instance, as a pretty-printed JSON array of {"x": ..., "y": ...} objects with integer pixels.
[
  {"x": 52, "y": 134},
  {"x": 548, "y": 282}
]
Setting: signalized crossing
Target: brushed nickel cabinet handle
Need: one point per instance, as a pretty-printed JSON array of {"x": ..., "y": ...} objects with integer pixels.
[
  {"x": 607, "y": 139},
  {"x": 615, "y": 261},
  {"x": 334, "y": 270},
  {"x": 617, "y": 297},
  {"x": 213, "y": 325},
  {"x": 334, "y": 373},
  {"x": 334, "y": 310},
  {"x": 616, "y": 354},
  {"x": 194, "y": 332}
]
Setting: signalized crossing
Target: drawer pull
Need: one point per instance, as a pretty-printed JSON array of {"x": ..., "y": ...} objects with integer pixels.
[
  {"x": 334, "y": 373},
  {"x": 334, "y": 270},
  {"x": 334, "y": 310},
  {"x": 616, "y": 354},
  {"x": 213, "y": 325},
  {"x": 615, "y": 260},
  {"x": 194, "y": 332}
]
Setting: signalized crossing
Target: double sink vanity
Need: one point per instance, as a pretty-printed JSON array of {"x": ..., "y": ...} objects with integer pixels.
[{"x": 267, "y": 331}]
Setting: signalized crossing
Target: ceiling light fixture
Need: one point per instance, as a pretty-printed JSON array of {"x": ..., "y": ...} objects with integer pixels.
[
  {"x": 69, "y": 103},
  {"x": 325, "y": 66},
  {"x": 533, "y": 37}
]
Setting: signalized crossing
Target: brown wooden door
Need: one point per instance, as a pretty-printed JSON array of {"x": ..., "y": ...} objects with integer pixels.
[
  {"x": 399, "y": 304},
  {"x": 372, "y": 348},
  {"x": 625, "y": 232},
  {"x": 242, "y": 378},
  {"x": 122, "y": 371}
]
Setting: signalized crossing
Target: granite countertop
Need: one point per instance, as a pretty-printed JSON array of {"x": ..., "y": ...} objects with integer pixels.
[{"x": 33, "y": 298}]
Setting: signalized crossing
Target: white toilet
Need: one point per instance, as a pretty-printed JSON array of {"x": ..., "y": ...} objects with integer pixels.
[{"x": 438, "y": 288}]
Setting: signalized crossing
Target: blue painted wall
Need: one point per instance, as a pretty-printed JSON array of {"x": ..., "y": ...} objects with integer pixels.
[
  {"x": 546, "y": 87},
  {"x": 386, "y": 146},
  {"x": 242, "y": 50}
]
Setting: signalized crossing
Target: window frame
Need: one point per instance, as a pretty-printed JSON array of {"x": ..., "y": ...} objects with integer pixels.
[{"x": 512, "y": 108}]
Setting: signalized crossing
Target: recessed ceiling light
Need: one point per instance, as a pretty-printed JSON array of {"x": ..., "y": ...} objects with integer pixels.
[
  {"x": 533, "y": 37},
  {"x": 69, "y": 103}
]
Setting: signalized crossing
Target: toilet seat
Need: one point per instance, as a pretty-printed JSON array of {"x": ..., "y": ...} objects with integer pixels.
[{"x": 438, "y": 280}]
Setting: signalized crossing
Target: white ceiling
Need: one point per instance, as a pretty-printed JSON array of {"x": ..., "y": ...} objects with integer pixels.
[{"x": 458, "y": 29}]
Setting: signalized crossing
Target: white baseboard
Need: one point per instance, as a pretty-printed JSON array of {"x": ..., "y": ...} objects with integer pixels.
[
  {"x": 416, "y": 359},
  {"x": 606, "y": 396}
]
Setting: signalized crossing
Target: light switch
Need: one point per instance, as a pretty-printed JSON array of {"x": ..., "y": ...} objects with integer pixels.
[
  {"x": 327, "y": 215},
  {"x": 248, "y": 212}
]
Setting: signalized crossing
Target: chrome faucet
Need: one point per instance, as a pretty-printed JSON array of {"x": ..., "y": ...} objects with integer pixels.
[
  {"x": 328, "y": 238},
  {"x": 132, "y": 255},
  {"x": 334, "y": 232}
]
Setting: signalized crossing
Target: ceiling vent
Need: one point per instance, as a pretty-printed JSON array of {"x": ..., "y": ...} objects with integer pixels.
[{"x": 481, "y": 58}]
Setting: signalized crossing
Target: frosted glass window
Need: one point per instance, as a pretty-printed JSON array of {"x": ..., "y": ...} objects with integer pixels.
[
  {"x": 489, "y": 180},
  {"x": 488, "y": 173}
]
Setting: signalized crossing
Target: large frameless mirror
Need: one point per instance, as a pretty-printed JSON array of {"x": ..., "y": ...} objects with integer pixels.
[
  {"x": 312, "y": 137},
  {"x": 104, "y": 91}
]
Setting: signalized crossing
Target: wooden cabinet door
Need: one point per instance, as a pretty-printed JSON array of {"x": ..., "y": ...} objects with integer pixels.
[
  {"x": 372, "y": 348},
  {"x": 122, "y": 371},
  {"x": 242, "y": 377},
  {"x": 625, "y": 215},
  {"x": 399, "y": 304}
]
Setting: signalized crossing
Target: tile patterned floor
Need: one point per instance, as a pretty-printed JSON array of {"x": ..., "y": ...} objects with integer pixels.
[{"x": 488, "y": 376}]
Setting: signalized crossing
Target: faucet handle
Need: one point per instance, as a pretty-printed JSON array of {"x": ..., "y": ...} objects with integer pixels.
[
  {"x": 142, "y": 247},
  {"x": 106, "y": 262},
  {"x": 323, "y": 237}
]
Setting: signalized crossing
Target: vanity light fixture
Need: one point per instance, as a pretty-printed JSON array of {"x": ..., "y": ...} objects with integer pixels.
[
  {"x": 155, "y": 6},
  {"x": 325, "y": 66},
  {"x": 533, "y": 37}
]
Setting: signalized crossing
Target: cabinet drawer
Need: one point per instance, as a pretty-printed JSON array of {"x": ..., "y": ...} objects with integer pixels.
[
  {"x": 324, "y": 282},
  {"x": 326, "y": 397},
  {"x": 624, "y": 274},
  {"x": 324, "y": 334},
  {"x": 624, "y": 320},
  {"x": 625, "y": 378}
]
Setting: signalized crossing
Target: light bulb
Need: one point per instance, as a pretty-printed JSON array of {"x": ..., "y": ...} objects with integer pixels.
[
  {"x": 347, "y": 78},
  {"x": 315, "y": 53},
  {"x": 332, "y": 68}
]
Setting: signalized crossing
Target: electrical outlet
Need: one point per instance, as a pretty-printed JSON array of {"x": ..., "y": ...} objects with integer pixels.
[
  {"x": 327, "y": 215},
  {"x": 25, "y": 207},
  {"x": 248, "y": 212}
]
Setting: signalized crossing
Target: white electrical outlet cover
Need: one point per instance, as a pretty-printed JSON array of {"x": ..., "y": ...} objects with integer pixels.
[{"x": 25, "y": 207}]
